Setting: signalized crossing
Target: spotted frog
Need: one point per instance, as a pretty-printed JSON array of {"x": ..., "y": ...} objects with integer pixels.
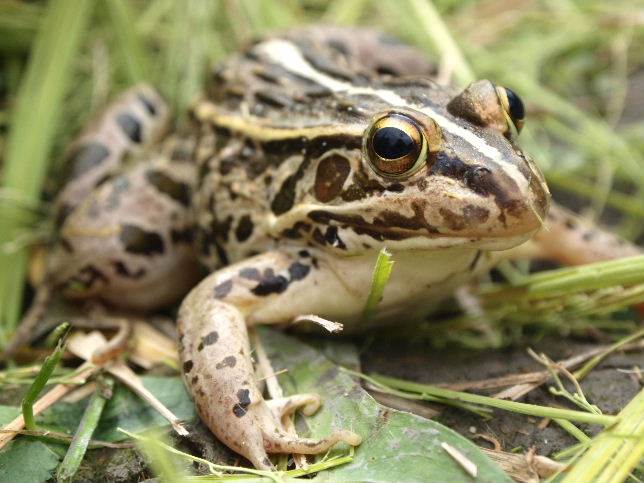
[{"x": 306, "y": 155}]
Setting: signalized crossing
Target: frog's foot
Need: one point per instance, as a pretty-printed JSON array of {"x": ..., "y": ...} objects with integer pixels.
[
  {"x": 280, "y": 442},
  {"x": 285, "y": 406}
]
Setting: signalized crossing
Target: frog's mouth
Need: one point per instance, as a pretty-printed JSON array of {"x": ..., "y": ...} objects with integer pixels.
[{"x": 415, "y": 226}]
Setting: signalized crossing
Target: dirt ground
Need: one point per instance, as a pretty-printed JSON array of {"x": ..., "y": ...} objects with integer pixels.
[{"x": 609, "y": 386}]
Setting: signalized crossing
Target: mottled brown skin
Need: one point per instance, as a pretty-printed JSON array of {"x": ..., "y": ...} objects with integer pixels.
[{"x": 276, "y": 189}]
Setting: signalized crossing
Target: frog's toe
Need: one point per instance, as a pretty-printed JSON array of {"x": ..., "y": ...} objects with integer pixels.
[
  {"x": 280, "y": 442},
  {"x": 253, "y": 450},
  {"x": 285, "y": 406}
]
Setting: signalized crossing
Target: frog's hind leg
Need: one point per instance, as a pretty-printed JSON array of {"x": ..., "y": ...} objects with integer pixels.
[
  {"x": 216, "y": 354},
  {"x": 133, "y": 121}
]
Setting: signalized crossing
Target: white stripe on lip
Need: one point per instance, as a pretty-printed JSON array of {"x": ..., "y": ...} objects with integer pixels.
[{"x": 287, "y": 55}]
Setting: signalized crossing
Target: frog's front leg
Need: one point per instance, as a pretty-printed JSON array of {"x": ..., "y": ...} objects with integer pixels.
[{"x": 216, "y": 354}]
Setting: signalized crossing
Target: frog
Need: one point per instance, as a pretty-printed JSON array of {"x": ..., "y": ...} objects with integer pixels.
[{"x": 306, "y": 154}]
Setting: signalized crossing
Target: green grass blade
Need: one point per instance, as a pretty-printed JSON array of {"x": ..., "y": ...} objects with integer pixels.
[
  {"x": 129, "y": 44},
  {"x": 41, "y": 379},
  {"x": 615, "y": 452},
  {"x": 437, "y": 34},
  {"x": 517, "y": 407},
  {"x": 381, "y": 274},
  {"x": 18, "y": 25},
  {"x": 34, "y": 124},
  {"x": 86, "y": 427}
]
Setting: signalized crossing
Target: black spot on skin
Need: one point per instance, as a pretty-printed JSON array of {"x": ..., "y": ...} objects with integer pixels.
[
  {"x": 187, "y": 366},
  {"x": 130, "y": 126},
  {"x": 221, "y": 253},
  {"x": 273, "y": 98},
  {"x": 244, "y": 228},
  {"x": 186, "y": 235},
  {"x": 267, "y": 77},
  {"x": 123, "y": 271},
  {"x": 250, "y": 273},
  {"x": 298, "y": 271},
  {"x": 102, "y": 180},
  {"x": 141, "y": 242},
  {"x": 221, "y": 228},
  {"x": 295, "y": 232},
  {"x": 571, "y": 224},
  {"x": 449, "y": 166},
  {"x": 270, "y": 283},
  {"x": 285, "y": 197},
  {"x": 385, "y": 70},
  {"x": 381, "y": 228},
  {"x": 223, "y": 289},
  {"x": 194, "y": 379},
  {"x": 84, "y": 158},
  {"x": 304, "y": 253},
  {"x": 240, "y": 409},
  {"x": 176, "y": 190},
  {"x": 395, "y": 187},
  {"x": 332, "y": 238},
  {"x": 208, "y": 339},
  {"x": 229, "y": 361},
  {"x": 327, "y": 66},
  {"x": 319, "y": 237},
  {"x": 148, "y": 104}
]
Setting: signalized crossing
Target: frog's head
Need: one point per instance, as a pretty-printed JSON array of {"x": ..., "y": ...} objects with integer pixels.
[{"x": 430, "y": 171}]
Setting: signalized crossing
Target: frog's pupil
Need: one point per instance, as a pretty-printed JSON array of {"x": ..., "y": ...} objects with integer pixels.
[
  {"x": 392, "y": 143},
  {"x": 517, "y": 109}
]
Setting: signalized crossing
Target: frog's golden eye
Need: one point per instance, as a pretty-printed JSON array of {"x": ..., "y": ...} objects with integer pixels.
[
  {"x": 395, "y": 145},
  {"x": 512, "y": 105}
]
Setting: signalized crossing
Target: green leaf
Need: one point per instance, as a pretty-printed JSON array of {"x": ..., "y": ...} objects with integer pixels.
[
  {"x": 8, "y": 413},
  {"x": 397, "y": 446},
  {"x": 26, "y": 460}
]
